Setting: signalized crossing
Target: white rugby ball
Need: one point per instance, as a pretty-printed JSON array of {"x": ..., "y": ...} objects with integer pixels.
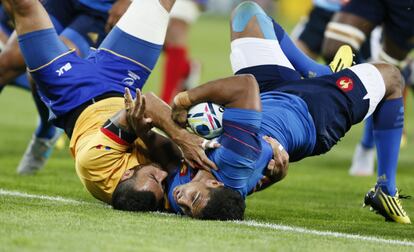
[{"x": 206, "y": 119}]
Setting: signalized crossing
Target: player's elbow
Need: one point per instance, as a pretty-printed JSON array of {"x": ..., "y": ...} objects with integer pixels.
[{"x": 250, "y": 90}]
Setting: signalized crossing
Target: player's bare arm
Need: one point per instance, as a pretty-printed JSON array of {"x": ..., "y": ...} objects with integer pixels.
[
  {"x": 241, "y": 91},
  {"x": 190, "y": 144}
]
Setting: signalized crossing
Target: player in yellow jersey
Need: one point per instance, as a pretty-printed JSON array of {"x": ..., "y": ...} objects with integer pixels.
[{"x": 84, "y": 96}]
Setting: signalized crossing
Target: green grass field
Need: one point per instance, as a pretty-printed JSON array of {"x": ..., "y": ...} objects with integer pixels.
[{"x": 316, "y": 208}]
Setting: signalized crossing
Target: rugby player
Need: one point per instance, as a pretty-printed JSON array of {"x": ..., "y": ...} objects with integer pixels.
[
  {"x": 305, "y": 117},
  {"x": 80, "y": 25},
  {"x": 352, "y": 25},
  {"x": 85, "y": 97},
  {"x": 180, "y": 72}
]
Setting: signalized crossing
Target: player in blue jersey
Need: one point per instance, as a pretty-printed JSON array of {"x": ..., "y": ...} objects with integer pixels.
[
  {"x": 84, "y": 96},
  {"x": 80, "y": 25},
  {"x": 305, "y": 117},
  {"x": 352, "y": 25}
]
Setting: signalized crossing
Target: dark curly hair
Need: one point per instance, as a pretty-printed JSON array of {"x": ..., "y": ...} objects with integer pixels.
[
  {"x": 127, "y": 198},
  {"x": 224, "y": 204}
]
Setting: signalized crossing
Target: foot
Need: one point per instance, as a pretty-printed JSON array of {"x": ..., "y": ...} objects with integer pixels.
[
  {"x": 36, "y": 154},
  {"x": 193, "y": 78},
  {"x": 362, "y": 162},
  {"x": 386, "y": 205},
  {"x": 344, "y": 58}
]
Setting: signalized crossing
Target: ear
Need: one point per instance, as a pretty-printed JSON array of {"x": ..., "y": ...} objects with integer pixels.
[
  {"x": 212, "y": 183},
  {"x": 127, "y": 174}
]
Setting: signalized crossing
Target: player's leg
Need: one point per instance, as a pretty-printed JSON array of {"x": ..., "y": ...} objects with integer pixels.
[
  {"x": 352, "y": 25},
  {"x": 270, "y": 30},
  {"x": 388, "y": 120},
  {"x": 180, "y": 71},
  {"x": 140, "y": 43},
  {"x": 38, "y": 40},
  {"x": 255, "y": 48},
  {"x": 308, "y": 33},
  {"x": 39, "y": 44}
]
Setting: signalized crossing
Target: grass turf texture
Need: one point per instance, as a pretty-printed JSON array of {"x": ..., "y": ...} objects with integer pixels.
[{"x": 317, "y": 194}]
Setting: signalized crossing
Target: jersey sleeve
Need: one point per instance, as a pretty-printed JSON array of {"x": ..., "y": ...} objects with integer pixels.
[{"x": 240, "y": 148}]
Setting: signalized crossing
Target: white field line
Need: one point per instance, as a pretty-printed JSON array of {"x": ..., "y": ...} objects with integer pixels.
[
  {"x": 44, "y": 197},
  {"x": 249, "y": 223},
  {"x": 300, "y": 230}
]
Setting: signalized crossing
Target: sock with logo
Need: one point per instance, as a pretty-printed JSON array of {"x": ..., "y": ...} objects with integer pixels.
[{"x": 388, "y": 126}]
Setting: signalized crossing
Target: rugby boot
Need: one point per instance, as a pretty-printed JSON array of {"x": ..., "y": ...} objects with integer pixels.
[
  {"x": 37, "y": 153},
  {"x": 386, "y": 205},
  {"x": 363, "y": 161},
  {"x": 344, "y": 58}
]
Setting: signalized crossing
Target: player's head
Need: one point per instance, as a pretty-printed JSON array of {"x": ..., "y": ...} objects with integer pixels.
[
  {"x": 141, "y": 189},
  {"x": 209, "y": 200}
]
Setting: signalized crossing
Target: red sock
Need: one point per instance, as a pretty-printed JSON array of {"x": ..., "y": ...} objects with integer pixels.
[{"x": 176, "y": 69}]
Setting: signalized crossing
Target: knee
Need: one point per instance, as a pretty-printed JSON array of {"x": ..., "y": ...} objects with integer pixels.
[
  {"x": 249, "y": 20},
  {"x": 329, "y": 48},
  {"x": 22, "y": 6},
  {"x": 393, "y": 80}
]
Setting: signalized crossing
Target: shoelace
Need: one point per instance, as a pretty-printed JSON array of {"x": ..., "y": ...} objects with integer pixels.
[{"x": 402, "y": 196}]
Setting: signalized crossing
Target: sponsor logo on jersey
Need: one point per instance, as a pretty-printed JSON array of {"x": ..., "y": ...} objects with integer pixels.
[
  {"x": 64, "y": 69},
  {"x": 130, "y": 80},
  {"x": 345, "y": 83}
]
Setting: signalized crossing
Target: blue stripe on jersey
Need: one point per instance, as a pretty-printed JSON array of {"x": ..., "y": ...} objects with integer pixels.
[
  {"x": 244, "y": 154},
  {"x": 240, "y": 140}
]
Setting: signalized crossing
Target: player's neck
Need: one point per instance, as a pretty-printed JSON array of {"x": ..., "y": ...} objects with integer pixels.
[{"x": 203, "y": 175}]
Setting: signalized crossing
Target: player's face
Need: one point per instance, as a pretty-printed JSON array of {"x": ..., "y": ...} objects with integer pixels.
[
  {"x": 194, "y": 196},
  {"x": 151, "y": 178}
]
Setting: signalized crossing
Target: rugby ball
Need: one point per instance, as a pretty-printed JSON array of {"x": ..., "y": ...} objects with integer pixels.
[{"x": 206, "y": 119}]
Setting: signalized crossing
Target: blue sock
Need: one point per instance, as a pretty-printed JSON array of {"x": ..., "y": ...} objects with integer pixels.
[
  {"x": 388, "y": 126},
  {"x": 367, "y": 140},
  {"x": 45, "y": 129},
  {"x": 77, "y": 39},
  {"x": 21, "y": 82},
  {"x": 306, "y": 66}
]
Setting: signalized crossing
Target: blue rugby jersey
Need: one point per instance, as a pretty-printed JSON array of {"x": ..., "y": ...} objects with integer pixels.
[
  {"x": 100, "y": 5},
  {"x": 286, "y": 118}
]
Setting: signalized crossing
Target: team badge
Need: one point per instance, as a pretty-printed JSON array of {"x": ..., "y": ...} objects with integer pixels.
[{"x": 345, "y": 83}]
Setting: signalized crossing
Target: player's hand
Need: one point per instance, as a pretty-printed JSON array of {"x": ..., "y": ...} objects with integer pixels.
[
  {"x": 179, "y": 115},
  {"x": 193, "y": 148},
  {"x": 277, "y": 167},
  {"x": 135, "y": 113},
  {"x": 115, "y": 13}
]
